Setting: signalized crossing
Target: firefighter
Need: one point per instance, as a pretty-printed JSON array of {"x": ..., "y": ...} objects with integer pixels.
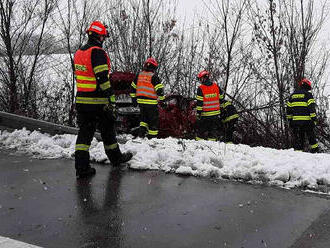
[
  {"x": 302, "y": 116},
  {"x": 209, "y": 96},
  {"x": 95, "y": 102},
  {"x": 147, "y": 91},
  {"x": 229, "y": 119}
]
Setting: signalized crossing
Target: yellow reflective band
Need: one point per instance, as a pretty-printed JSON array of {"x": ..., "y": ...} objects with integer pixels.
[
  {"x": 289, "y": 116},
  {"x": 79, "y": 77},
  {"x": 143, "y": 124},
  {"x": 159, "y": 86},
  {"x": 315, "y": 146},
  {"x": 161, "y": 98},
  {"x": 146, "y": 101},
  {"x": 112, "y": 99},
  {"x": 105, "y": 85},
  {"x": 301, "y": 118},
  {"x": 294, "y": 96},
  {"x": 133, "y": 85},
  {"x": 231, "y": 118},
  {"x": 100, "y": 68},
  {"x": 288, "y": 104},
  {"x": 221, "y": 96},
  {"x": 212, "y": 139},
  {"x": 310, "y": 101},
  {"x": 224, "y": 105},
  {"x": 199, "y": 108},
  {"x": 153, "y": 132},
  {"x": 200, "y": 98},
  {"x": 211, "y": 113},
  {"x": 229, "y": 142},
  {"x": 298, "y": 104},
  {"x": 82, "y": 147},
  {"x": 89, "y": 100},
  {"x": 111, "y": 147},
  {"x": 133, "y": 95},
  {"x": 90, "y": 86},
  {"x": 198, "y": 138},
  {"x": 312, "y": 115}
]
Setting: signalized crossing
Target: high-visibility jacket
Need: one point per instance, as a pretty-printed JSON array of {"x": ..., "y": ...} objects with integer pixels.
[
  {"x": 301, "y": 107},
  {"x": 89, "y": 91},
  {"x": 228, "y": 112},
  {"x": 147, "y": 88},
  {"x": 208, "y": 99}
]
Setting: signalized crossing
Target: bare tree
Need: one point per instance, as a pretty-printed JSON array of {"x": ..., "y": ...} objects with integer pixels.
[
  {"x": 284, "y": 36},
  {"x": 72, "y": 19},
  {"x": 229, "y": 17},
  {"x": 139, "y": 29},
  {"x": 20, "y": 22}
]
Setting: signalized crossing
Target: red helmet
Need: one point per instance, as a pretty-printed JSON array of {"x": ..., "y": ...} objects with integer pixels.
[
  {"x": 203, "y": 73},
  {"x": 151, "y": 61},
  {"x": 98, "y": 28},
  {"x": 306, "y": 82}
]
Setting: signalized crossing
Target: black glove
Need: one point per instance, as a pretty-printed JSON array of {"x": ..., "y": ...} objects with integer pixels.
[
  {"x": 134, "y": 102},
  {"x": 111, "y": 110}
]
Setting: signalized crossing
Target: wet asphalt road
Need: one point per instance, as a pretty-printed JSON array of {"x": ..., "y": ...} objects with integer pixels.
[{"x": 42, "y": 203}]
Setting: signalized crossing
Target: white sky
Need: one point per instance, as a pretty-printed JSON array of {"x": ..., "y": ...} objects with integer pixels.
[
  {"x": 283, "y": 168},
  {"x": 188, "y": 9}
]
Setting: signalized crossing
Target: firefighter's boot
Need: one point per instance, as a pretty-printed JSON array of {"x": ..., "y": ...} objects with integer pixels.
[
  {"x": 83, "y": 168},
  {"x": 117, "y": 158},
  {"x": 85, "y": 173}
]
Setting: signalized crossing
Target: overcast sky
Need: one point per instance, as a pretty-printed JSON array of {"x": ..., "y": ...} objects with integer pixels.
[{"x": 187, "y": 9}]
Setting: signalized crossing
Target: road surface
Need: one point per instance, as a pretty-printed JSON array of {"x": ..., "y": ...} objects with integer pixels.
[{"x": 42, "y": 204}]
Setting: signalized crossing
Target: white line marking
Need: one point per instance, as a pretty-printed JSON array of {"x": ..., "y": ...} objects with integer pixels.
[{"x": 11, "y": 243}]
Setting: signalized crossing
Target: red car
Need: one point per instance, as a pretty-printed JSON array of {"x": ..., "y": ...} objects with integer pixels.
[{"x": 176, "y": 119}]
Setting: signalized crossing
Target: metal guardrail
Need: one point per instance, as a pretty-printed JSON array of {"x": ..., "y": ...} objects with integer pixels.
[{"x": 13, "y": 121}]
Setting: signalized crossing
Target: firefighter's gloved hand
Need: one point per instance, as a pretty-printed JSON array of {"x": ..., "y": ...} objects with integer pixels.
[{"x": 111, "y": 110}]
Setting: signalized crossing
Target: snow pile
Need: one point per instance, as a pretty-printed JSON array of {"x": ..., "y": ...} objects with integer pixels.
[{"x": 285, "y": 168}]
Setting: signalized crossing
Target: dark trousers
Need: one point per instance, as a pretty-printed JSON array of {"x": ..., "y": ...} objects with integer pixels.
[
  {"x": 299, "y": 133},
  {"x": 229, "y": 131},
  {"x": 207, "y": 127},
  {"x": 88, "y": 122},
  {"x": 149, "y": 120}
]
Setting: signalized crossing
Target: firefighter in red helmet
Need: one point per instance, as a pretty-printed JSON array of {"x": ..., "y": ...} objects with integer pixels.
[
  {"x": 209, "y": 96},
  {"x": 95, "y": 101},
  {"x": 147, "y": 91},
  {"x": 301, "y": 115}
]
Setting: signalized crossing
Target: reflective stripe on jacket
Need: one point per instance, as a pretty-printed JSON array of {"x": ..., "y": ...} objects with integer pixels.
[{"x": 211, "y": 100}]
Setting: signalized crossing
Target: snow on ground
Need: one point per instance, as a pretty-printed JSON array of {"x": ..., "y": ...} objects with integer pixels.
[{"x": 284, "y": 168}]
